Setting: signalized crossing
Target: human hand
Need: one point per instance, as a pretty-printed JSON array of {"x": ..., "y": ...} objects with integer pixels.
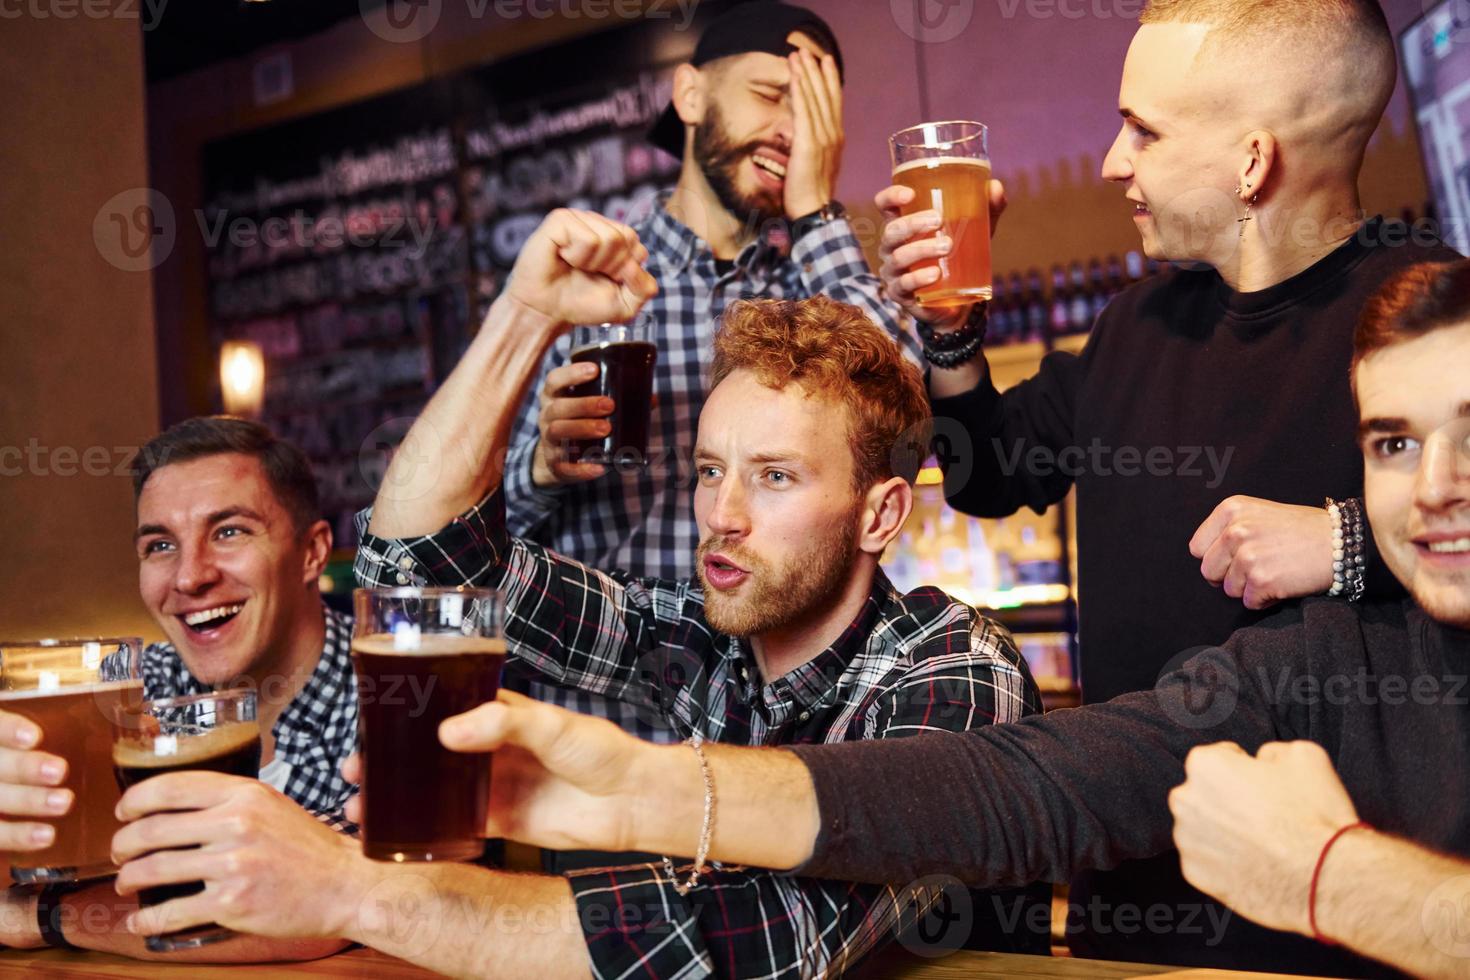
[
  {"x": 817, "y": 134},
  {"x": 579, "y": 267},
  {"x": 1249, "y": 830},
  {"x": 1263, "y": 552},
  {"x": 561, "y": 780},
  {"x": 269, "y": 868},
  {"x": 30, "y": 786},
  {"x": 566, "y": 420},
  {"x": 912, "y": 244}
]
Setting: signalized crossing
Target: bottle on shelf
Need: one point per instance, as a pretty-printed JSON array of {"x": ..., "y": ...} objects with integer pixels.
[
  {"x": 1134, "y": 265},
  {"x": 1036, "y": 309},
  {"x": 1079, "y": 309},
  {"x": 1061, "y": 302},
  {"x": 1098, "y": 288}
]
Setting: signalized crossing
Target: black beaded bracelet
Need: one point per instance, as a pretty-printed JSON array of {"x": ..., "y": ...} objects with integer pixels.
[
  {"x": 955, "y": 347},
  {"x": 1349, "y": 559}
]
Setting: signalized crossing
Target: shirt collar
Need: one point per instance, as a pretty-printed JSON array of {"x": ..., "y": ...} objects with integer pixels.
[
  {"x": 330, "y": 683},
  {"x": 677, "y": 245},
  {"x": 809, "y": 684}
]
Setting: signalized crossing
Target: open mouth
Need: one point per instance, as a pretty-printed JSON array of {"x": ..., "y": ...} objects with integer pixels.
[
  {"x": 721, "y": 574},
  {"x": 205, "y": 620},
  {"x": 773, "y": 170},
  {"x": 1455, "y": 546}
]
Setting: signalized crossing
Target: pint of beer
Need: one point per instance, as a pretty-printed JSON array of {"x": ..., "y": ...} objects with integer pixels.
[
  {"x": 421, "y": 656},
  {"x": 70, "y": 688},
  {"x": 215, "y": 732},
  {"x": 624, "y": 354},
  {"x": 947, "y": 165}
]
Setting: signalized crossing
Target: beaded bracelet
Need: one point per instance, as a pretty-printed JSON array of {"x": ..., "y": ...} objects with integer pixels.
[
  {"x": 1349, "y": 563},
  {"x": 955, "y": 347},
  {"x": 696, "y": 742}
]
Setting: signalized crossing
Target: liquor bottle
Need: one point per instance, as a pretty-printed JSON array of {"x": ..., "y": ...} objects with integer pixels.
[
  {"x": 1079, "y": 312},
  {"x": 1101, "y": 292},
  {"x": 1134, "y": 264},
  {"x": 998, "y": 315},
  {"x": 1016, "y": 324},
  {"x": 1036, "y": 311},
  {"x": 1061, "y": 302}
]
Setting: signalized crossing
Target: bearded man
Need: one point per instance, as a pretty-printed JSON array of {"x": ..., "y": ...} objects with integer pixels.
[{"x": 756, "y": 119}]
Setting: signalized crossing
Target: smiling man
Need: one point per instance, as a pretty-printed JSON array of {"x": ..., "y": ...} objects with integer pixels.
[
  {"x": 756, "y": 120},
  {"x": 1244, "y": 127},
  {"x": 788, "y": 632},
  {"x": 231, "y": 546}
]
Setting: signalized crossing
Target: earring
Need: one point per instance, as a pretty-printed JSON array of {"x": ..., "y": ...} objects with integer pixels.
[{"x": 1248, "y": 205}]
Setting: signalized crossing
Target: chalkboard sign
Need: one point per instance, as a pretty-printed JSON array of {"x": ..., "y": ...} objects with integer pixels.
[{"x": 360, "y": 247}]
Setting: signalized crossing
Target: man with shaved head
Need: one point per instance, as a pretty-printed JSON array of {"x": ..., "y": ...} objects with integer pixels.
[{"x": 1209, "y": 416}]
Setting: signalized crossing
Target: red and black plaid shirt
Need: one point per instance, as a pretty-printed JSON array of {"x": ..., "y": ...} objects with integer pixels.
[{"x": 906, "y": 664}]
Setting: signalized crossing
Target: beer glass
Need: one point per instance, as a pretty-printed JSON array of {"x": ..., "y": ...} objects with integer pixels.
[
  {"x": 69, "y": 688},
  {"x": 215, "y": 732},
  {"x": 423, "y": 655},
  {"x": 624, "y": 354},
  {"x": 947, "y": 165}
]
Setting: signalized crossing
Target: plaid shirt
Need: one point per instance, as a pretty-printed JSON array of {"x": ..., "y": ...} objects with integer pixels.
[
  {"x": 643, "y": 521},
  {"x": 905, "y": 665},
  {"x": 314, "y": 734}
]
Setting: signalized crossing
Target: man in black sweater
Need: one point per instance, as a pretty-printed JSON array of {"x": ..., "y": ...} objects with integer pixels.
[
  {"x": 1209, "y": 415},
  {"x": 1379, "y": 691}
]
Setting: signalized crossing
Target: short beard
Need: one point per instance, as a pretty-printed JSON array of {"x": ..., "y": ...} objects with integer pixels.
[
  {"x": 719, "y": 159},
  {"x": 779, "y": 598}
]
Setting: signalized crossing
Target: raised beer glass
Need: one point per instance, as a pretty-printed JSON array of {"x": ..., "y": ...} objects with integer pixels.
[
  {"x": 624, "y": 354},
  {"x": 947, "y": 165},
  {"x": 423, "y": 655},
  {"x": 69, "y": 688},
  {"x": 215, "y": 732}
]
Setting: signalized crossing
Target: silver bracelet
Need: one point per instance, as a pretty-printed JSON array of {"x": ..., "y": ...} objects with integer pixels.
[{"x": 706, "y": 830}]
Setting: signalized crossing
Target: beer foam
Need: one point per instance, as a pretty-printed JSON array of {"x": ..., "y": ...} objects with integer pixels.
[
  {"x": 34, "y": 686},
  {"x": 428, "y": 645},
  {"x": 179, "y": 751},
  {"x": 929, "y": 163}
]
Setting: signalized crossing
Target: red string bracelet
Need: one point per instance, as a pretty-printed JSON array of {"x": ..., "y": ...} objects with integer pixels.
[{"x": 1317, "y": 874}]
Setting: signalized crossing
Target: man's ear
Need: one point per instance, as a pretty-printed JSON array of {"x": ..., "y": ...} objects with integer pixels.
[
  {"x": 691, "y": 94},
  {"x": 318, "y": 551},
  {"x": 886, "y": 510},
  {"x": 1260, "y": 161}
]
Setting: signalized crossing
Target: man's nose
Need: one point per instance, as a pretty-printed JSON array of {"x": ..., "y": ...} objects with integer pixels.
[
  {"x": 1116, "y": 165},
  {"x": 729, "y": 516},
  {"x": 196, "y": 570},
  {"x": 1444, "y": 470}
]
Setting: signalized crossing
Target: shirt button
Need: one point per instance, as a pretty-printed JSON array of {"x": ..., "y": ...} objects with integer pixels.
[
  {"x": 405, "y": 563},
  {"x": 805, "y": 716},
  {"x": 402, "y": 578}
]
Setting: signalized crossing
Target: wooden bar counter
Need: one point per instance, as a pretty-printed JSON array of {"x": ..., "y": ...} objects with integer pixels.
[{"x": 892, "y": 964}]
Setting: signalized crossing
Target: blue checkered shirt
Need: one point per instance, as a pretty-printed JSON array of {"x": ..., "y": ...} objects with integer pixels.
[
  {"x": 643, "y": 521},
  {"x": 313, "y": 735}
]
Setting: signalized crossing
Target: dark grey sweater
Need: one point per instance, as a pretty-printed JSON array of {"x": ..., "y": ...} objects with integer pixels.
[{"x": 1382, "y": 687}]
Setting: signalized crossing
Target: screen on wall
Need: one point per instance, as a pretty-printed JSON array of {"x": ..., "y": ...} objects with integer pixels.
[{"x": 1435, "y": 54}]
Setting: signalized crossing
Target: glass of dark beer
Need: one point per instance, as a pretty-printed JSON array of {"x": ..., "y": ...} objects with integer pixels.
[
  {"x": 215, "y": 732},
  {"x": 624, "y": 354},
  {"x": 69, "y": 688},
  {"x": 423, "y": 655}
]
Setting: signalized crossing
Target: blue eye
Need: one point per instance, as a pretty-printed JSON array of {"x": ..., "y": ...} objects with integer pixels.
[{"x": 778, "y": 477}]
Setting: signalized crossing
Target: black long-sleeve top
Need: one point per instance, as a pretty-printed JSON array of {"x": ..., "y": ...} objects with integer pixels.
[
  {"x": 1186, "y": 393},
  {"x": 1383, "y": 688}
]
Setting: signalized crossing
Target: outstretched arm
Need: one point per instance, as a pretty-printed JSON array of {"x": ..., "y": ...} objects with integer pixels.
[{"x": 578, "y": 267}]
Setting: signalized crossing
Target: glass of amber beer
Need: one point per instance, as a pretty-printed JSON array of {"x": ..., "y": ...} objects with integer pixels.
[
  {"x": 423, "y": 655},
  {"x": 69, "y": 688},
  {"x": 947, "y": 165},
  {"x": 215, "y": 732}
]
